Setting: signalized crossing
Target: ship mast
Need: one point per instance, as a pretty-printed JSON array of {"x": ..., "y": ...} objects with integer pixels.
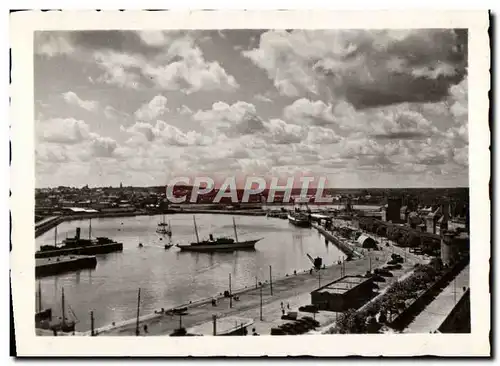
[
  {"x": 196, "y": 230},
  {"x": 235, "y": 233},
  {"x": 90, "y": 228},
  {"x": 63, "y": 311}
]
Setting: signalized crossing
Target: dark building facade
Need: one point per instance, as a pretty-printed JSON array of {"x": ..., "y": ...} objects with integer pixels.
[
  {"x": 345, "y": 293},
  {"x": 393, "y": 212}
]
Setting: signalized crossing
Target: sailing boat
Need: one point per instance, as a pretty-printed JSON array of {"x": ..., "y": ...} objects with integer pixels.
[
  {"x": 62, "y": 324},
  {"x": 164, "y": 228},
  {"x": 219, "y": 244}
]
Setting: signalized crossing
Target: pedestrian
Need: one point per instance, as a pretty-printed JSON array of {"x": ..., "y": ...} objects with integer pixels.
[
  {"x": 283, "y": 311},
  {"x": 282, "y": 304},
  {"x": 288, "y": 306}
]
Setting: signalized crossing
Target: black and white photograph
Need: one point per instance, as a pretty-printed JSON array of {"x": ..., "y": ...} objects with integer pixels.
[{"x": 255, "y": 181}]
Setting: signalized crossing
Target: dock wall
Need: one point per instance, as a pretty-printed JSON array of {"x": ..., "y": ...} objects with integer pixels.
[
  {"x": 90, "y": 250},
  {"x": 346, "y": 249},
  {"x": 67, "y": 265}
]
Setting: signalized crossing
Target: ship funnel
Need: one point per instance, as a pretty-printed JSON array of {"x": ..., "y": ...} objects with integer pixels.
[{"x": 77, "y": 236}]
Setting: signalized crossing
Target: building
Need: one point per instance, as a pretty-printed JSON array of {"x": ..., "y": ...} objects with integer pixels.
[
  {"x": 343, "y": 294},
  {"x": 403, "y": 214},
  {"x": 453, "y": 246},
  {"x": 366, "y": 242},
  {"x": 431, "y": 221},
  {"x": 393, "y": 209}
]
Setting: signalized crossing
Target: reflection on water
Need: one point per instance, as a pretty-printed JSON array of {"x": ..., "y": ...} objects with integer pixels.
[{"x": 169, "y": 277}]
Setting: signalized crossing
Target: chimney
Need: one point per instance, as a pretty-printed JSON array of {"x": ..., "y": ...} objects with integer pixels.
[{"x": 77, "y": 236}]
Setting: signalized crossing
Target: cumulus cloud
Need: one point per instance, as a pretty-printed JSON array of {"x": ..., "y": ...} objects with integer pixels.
[
  {"x": 184, "y": 110},
  {"x": 191, "y": 72},
  {"x": 113, "y": 113},
  {"x": 102, "y": 146},
  {"x": 366, "y": 67},
  {"x": 165, "y": 134},
  {"x": 280, "y": 132},
  {"x": 119, "y": 68},
  {"x": 154, "y": 38},
  {"x": 262, "y": 98},
  {"x": 73, "y": 99},
  {"x": 306, "y": 112},
  {"x": 62, "y": 130},
  {"x": 52, "y": 44},
  {"x": 321, "y": 135},
  {"x": 180, "y": 65},
  {"x": 153, "y": 109},
  {"x": 237, "y": 119}
]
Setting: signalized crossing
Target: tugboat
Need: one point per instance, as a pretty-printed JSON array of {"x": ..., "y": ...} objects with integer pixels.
[
  {"x": 78, "y": 245},
  {"x": 219, "y": 244},
  {"x": 299, "y": 219}
]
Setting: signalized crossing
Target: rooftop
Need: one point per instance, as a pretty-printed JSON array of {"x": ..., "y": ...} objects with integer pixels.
[{"x": 342, "y": 285}]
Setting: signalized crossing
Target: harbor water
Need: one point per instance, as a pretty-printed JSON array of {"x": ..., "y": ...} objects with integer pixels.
[{"x": 168, "y": 277}]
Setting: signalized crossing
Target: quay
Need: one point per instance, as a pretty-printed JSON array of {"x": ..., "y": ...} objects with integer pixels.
[
  {"x": 83, "y": 250},
  {"x": 345, "y": 248},
  {"x": 295, "y": 289},
  {"x": 230, "y": 325},
  {"x": 56, "y": 265}
]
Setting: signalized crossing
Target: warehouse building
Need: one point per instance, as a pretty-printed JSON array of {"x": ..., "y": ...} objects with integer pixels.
[{"x": 343, "y": 294}]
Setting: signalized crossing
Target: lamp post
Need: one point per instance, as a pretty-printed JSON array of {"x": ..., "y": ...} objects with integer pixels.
[
  {"x": 271, "y": 279},
  {"x": 230, "y": 293}
]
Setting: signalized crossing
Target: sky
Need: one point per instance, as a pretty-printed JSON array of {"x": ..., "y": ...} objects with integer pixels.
[{"x": 363, "y": 108}]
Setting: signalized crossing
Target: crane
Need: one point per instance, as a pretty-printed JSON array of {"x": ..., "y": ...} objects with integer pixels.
[{"x": 317, "y": 262}]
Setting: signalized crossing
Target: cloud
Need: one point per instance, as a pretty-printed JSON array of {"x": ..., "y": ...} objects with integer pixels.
[
  {"x": 367, "y": 68},
  {"x": 237, "y": 119},
  {"x": 62, "y": 130},
  {"x": 155, "y": 108},
  {"x": 321, "y": 135},
  {"x": 112, "y": 113},
  {"x": 164, "y": 134},
  {"x": 306, "y": 112},
  {"x": 154, "y": 38},
  {"x": 180, "y": 65},
  {"x": 191, "y": 72},
  {"x": 52, "y": 44},
  {"x": 119, "y": 68},
  {"x": 262, "y": 98},
  {"x": 280, "y": 132},
  {"x": 73, "y": 99},
  {"x": 184, "y": 110},
  {"x": 102, "y": 146}
]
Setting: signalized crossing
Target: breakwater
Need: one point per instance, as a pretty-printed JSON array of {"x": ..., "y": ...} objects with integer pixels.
[
  {"x": 52, "y": 266},
  {"x": 46, "y": 225},
  {"x": 85, "y": 250}
]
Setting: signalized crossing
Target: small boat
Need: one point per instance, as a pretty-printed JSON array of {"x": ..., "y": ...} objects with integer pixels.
[
  {"x": 164, "y": 228},
  {"x": 43, "y": 319},
  {"x": 169, "y": 245},
  {"x": 140, "y": 245}
]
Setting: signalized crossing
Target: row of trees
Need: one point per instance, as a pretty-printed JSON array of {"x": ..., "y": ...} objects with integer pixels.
[
  {"x": 401, "y": 235},
  {"x": 394, "y": 301}
]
